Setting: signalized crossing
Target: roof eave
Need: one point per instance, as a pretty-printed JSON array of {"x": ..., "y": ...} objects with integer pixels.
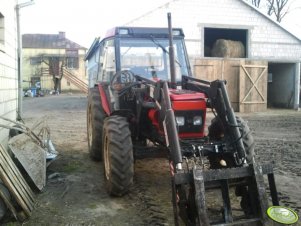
[{"x": 271, "y": 19}]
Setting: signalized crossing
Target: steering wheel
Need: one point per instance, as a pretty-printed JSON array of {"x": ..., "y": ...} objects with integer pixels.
[{"x": 122, "y": 78}]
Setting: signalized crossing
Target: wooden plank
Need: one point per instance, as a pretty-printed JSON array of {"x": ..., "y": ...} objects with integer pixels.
[
  {"x": 15, "y": 177},
  {"x": 208, "y": 69},
  {"x": 14, "y": 186},
  {"x": 11, "y": 177},
  {"x": 10, "y": 185},
  {"x": 231, "y": 75},
  {"x": 9, "y": 204},
  {"x": 223, "y": 69},
  {"x": 17, "y": 173}
]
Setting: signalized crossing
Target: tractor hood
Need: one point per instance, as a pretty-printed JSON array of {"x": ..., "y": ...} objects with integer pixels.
[{"x": 185, "y": 95}]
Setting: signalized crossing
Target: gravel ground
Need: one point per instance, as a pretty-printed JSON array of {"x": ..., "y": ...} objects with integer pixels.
[{"x": 75, "y": 195}]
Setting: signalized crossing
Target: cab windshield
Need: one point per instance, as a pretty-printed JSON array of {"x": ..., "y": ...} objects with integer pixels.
[{"x": 149, "y": 58}]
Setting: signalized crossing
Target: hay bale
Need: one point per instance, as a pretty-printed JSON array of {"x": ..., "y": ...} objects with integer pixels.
[{"x": 228, "y": 48}]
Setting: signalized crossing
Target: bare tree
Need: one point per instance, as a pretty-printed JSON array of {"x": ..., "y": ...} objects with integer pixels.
[
  {"x": 277, "y": 8},
  {"x": 256, "y": 3},
  {"x": 270, "y": 6}
]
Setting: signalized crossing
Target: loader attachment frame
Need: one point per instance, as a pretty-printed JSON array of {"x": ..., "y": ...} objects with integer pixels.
[
  {"x": 199, "y": 180},
  {"x": 191, "y": 204}
]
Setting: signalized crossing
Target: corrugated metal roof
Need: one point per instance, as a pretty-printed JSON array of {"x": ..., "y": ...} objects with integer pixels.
[{"x": 49, "y": 41}]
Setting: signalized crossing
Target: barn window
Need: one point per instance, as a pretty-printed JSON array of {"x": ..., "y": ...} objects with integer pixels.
[{"x": 223, "y": 42}]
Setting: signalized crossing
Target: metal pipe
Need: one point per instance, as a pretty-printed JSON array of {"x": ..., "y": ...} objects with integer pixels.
[
  {"x": 171, "y": 54},
  {"x": 233, "y": 124},
  {"x": 19, "y": 60},
  {"x": 297, "y": 86},
  {"x": 172, "y": 133}
]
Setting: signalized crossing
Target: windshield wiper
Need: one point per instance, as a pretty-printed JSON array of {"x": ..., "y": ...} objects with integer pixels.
[{"x": 162, "y": 47}]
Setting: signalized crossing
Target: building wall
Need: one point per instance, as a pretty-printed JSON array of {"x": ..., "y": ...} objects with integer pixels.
[
  {"x": 8, "y": 65},
  {"x": 267, "y": 40},
  {"x": 40, "y": 70}
]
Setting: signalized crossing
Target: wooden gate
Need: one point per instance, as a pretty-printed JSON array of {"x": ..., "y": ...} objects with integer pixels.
[
  {"x": 246, "y": 80},
  {"x": 253, "y": 87}
]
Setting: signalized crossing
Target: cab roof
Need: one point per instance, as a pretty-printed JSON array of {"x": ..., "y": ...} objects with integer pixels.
[
  {"x": 143, "y": 32},
  {"x": 135, "y": 32}
]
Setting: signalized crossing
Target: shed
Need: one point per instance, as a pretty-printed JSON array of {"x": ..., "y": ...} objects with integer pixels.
[{"x": 268, "y": 72}]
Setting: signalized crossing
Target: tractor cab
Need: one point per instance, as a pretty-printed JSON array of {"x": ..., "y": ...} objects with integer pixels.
[{"x": 143, "y": 51}]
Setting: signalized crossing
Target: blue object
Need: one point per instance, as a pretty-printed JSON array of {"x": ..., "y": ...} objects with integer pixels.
[{"x": 34, "y": 91}]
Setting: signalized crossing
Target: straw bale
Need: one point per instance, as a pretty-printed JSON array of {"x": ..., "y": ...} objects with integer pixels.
[{"x": 228, "y": 49}]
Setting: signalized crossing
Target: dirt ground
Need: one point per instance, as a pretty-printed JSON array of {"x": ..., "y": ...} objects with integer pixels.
[{"x": 75, "y": 195}]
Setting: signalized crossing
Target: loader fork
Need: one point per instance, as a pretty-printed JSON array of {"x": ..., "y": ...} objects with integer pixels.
[{"x": 250, "y": 177}]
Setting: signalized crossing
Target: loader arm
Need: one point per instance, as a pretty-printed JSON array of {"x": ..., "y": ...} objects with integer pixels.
[{"x": 219, "y": 101}]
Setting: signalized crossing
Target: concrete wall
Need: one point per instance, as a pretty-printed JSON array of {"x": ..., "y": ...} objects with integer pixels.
[
  {"x": 46, "y": 79},
  {"x": 267, "y": 40},
  {"x": 8, "y": 65}
]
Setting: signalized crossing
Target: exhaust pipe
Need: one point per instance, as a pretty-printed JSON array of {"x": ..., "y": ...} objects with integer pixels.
[{"x": 173, "y": 81}]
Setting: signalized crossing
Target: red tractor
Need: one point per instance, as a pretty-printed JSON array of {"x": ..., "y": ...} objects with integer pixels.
[{"x": 144, "y": 102}]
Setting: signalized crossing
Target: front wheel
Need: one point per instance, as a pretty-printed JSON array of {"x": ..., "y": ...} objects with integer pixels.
[
  {"x": 117, "y": 155},
  {"x": 247, "y": 139},
  {"x": 217, "y": 132},
  {"x": 95, "y": 117}
]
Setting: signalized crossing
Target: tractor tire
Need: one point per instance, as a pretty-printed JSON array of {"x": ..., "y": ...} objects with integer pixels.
[
  {"x": 95, "y": 118},
  {"x": 216, "y": 132},
  {"x": 117, "y": 155},
  {"x": 247, "y": 139}
]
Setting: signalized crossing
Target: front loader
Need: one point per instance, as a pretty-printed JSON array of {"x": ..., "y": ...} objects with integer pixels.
[{"x": 144, "y": 102}]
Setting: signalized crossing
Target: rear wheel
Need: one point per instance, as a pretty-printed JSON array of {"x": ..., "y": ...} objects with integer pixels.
[
  {"x": 95, "y": 117},
  {"x": 117, "y": 155}
]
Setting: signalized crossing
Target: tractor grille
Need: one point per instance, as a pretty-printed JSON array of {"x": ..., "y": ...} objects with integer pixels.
[{"x": 189, "y": 117}]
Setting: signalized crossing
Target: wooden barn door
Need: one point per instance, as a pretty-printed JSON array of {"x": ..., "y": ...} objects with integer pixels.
[
  {"x": 223, "y": 69},
  {"x": 253, "y": 86}
]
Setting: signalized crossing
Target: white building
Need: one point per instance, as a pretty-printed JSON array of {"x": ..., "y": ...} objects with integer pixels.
[
  {"x": 8, "y": 65},
  {"x": 205, "y": 21}
]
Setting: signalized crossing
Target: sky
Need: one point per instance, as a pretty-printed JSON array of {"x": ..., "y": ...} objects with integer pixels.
[{"x": 83, "y": 21}]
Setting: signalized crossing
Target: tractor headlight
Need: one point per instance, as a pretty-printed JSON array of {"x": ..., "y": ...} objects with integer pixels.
[
  {"x": 180, "y": 120},
  {"x": 197, "y": 120}
]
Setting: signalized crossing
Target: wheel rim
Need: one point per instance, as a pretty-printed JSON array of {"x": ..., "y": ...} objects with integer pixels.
[
  {"x": 106, "y": 157},
  {"x": 89, "y": 127}
]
